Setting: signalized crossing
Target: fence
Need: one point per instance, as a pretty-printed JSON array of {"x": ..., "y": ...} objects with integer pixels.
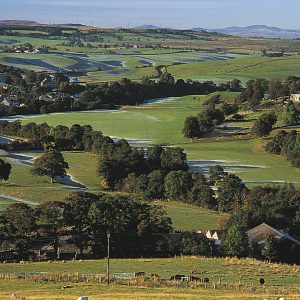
[{"x": 154, "y": 281}]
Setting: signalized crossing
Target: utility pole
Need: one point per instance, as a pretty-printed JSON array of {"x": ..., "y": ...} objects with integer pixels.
[{"x": 108, "y": 256}]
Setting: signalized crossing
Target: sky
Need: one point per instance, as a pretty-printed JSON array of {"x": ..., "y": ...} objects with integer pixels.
[{"x": 182, "y": 14}]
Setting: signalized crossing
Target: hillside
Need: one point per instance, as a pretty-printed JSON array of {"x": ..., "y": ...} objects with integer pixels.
[{"x": 256, "y": 31}]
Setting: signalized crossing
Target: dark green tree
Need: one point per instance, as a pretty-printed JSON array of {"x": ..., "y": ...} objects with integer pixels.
[
  {"x": 51, "y": 164},
  {"x": 264, "y": 125},
  {"x": 191, "y": 127},
  {"x": 236, "y": 242},
  {"x": 270, "y": 251},
  {"x": 20, "y": 217},
  {"x": 292, "y": 115},
  {"x": 177, "y": 185},
  {"x": 5, "y": 170}
]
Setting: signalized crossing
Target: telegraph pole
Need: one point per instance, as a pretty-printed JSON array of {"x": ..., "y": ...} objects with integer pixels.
[{"x": 108, "y": 256}]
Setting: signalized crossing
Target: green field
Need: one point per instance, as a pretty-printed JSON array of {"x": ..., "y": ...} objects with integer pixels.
[
  {"x": 163, "y": 122},
  {"x": 82, "y": 167},
  {"x": 189, "y": 217},
  {"x": 280, "y": 280},
  {"x": 241, "y": 68},
  {"x": 39, "y": 290}
]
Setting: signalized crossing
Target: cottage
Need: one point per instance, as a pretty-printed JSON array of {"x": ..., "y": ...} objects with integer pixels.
[
  {"x": 10, "y": 102},
  {"x": 49, "y": 83},
  {"x": 215, "y": 236},
  {"x": 41, "y": 50},
  {"x": 258, "y": 234},
  {"x": 295, "y": 97}
]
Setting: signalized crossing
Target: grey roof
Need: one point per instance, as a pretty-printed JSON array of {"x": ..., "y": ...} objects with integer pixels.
[{"x": 258, "y": 234}]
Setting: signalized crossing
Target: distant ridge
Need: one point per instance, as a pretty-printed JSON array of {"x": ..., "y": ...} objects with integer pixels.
[
  {"x": 34, "y": 23},
  {"x": 255, "y": 31},
  {"x": 151, "y": 27},
  {"x": 19, "y": 23}
]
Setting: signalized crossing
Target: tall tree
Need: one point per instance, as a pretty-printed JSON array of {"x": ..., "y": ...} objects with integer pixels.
[
  {"x": 5, "y": 169},
  {"x": 236, "y": 242},
  {"x": 51, "y": 164}
]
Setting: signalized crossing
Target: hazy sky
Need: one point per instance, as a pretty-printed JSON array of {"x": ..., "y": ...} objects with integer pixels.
[{"x": 172, "y": 13}]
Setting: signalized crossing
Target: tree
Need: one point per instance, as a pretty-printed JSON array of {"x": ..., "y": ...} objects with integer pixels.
[
  {"x": 292, "y": 115},
  {"x": 155, "y": 188},
  {"x": 215, "y": 174},
  {"x": 76, "y": 215},
  {"x": 202, "y": 195},
  {"x": 5, "y": 169},
  {"x": 236, "y": 242},
  {"x": 264, "y": 125},
  {"x": 192, "y": 243},
  {"x": 177, "y": 185},
  {"x": 191, "y": 127},
  {"x": 173, "y": 159},
  {"x": 231, "y": 193},
  {"x": 270, "y": 250},
  {"x": 51, "y": 163},
  {"x": 166, "y": 78},
  {"x": 20, "y": 217}
]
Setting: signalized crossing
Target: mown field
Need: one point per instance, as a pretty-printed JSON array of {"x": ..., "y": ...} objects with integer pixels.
[
  {"x": 229, "y": 271},
  {"x": 242, "y": 68},
  {"x": 162, "y": 122},
  {"x": 82, "y": 166}
]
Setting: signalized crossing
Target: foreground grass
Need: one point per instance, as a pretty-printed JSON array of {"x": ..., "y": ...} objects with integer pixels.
[
  {"x": 40, "y": 290},
  {"x": 228, "y": 270}
]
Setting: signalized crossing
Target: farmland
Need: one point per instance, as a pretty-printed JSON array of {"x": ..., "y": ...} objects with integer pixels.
[
  {"x": 228, "y": 271},
  {"x": 161, "y": 122}
]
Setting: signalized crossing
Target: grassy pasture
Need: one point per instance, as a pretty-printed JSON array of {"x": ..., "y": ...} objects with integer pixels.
[
  {"x": 38, "y": 290},
  {"x": 228, "y": 270},
  {"x": 242, "y": 68},
  {"x": 189, "y": 217},
  {"x": 162, "y": 123}
]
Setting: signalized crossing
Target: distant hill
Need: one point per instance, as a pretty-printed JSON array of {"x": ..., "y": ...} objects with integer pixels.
[
  {"x": 30, "y": 23},
  {"x": 255, "y": 31},
  {"x": 19, "y": 23},
  {"x": 151, "y": 27}
]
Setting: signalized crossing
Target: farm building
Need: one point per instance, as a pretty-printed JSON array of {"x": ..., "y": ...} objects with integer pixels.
[
  {"x": 10, "y": 102},
  {"x": 215, "y": 236},
  {"x": 295, "y": 97},
  {"x": 49, "y": 83},
  {"x": 41, "y": 50},
  {"x": 258, "y": 234}
]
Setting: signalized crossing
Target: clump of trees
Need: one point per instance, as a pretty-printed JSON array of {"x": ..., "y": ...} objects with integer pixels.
[
  {"x": 264, "y": 125},
  {"x": 276, "y": 206},
  {"x": 287, "y": 144},
  {"x": 137, "y": 228},
  {"x": 203, "y": 123}
]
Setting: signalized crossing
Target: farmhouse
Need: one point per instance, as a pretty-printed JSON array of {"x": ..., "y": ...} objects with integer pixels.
[
  {"x": 41, "y": 50},
  {"x": 295, "y": 97},
  {"x": 215, "y": 236},
  {"x": 49, "y": 83},
  {"x": 10, "y": 102},
  {"x": 258, "y": 234}
]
